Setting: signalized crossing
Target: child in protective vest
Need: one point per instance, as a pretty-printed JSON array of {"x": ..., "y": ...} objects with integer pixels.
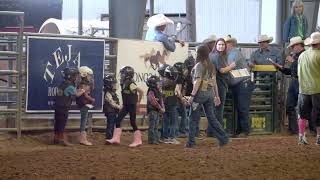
[
  {"x": 131, "y": 97},
  {"x": 111, "y": 106},
  {"x": 62, "y": 104},
  {"x": 155, "y": 108},
  {"x": 85, "y": 101}
]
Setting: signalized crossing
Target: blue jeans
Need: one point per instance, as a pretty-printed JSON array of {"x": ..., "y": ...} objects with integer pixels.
[
  {"x": 183, "y": 123},
  {"x": 84, "y": 111},
  {"x": 154, "y": 117},
  {"x": 242, "y": 98},
  {"x": 205, "y": 98},
  {"x": 292, "y": 101},
  {"x": 219, "y": 110},
  {"x": 111, "y": 121},
  {"x": 169, "y": 122}
]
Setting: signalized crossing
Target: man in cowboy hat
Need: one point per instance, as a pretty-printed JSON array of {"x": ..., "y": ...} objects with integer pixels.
[
  {"x": 297, "y": 47},
  {"x": 210, "y": 41},
  {"x": 261, "y": 55},
  {"x": 241, "y": 88},
  {"x": 309, "y": 87},
  {"x": 157, "y": 24}
]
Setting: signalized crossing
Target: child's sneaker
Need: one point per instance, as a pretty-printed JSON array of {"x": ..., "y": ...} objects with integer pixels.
[
  {"x": 174, "y": 141},
  {"x": 318, "y": 140},
  {"x": 302, "y": 140},
  {"x": 167, "y": 141}
]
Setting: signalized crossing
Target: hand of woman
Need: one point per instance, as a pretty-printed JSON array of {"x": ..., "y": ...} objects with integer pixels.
[
  {"x": 190, "y": 100},
  {"x": 217, "y": 101}
]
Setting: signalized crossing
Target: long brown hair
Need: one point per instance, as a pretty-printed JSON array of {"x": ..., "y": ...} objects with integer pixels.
[
  {"x": 222, "y": 54},
  {"x": 203, "y": 57}
]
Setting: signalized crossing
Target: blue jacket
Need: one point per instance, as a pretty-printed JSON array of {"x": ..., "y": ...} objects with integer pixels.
[{"x": 291, "y": 29}]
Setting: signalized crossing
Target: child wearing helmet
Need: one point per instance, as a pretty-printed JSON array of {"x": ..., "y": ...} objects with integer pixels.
[
  {"x": 111, "y": 106},
  {"x": 169, "y": 75},
  {"x": 155, "y": 108},
  {"x": 131, "y": 97},
  {"x": 62, "y": 104},
  {"x": 85, "y": 101}
]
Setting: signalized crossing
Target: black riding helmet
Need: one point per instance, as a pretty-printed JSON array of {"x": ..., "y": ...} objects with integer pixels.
[
  {"x": 127, "y": 72},
  {"x": 70, "y": 73},
  {"x": 190, "y": 62},
  {"x": 152, "y": 81},
  {"x": 161, "y": 69},
  {"x": 171, "y": 72},
  {"x": 108, "y": 80}
]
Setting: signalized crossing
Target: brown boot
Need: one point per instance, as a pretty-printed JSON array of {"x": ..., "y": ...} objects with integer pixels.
[
  {"x": 83, "y": 139},
  {"x": 56, "y": 138},
  {"x": 63, "y": 140}
]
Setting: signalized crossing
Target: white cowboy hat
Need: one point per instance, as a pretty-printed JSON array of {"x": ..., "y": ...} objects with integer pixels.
[
  {"x": 158, "y": 20},
  {"x": 211, "y": 38},
  {"x": 307, "y": 41},
  {"x": 315, "y": 38},
  {"x": 263, "y": 38},
  {"x": 295, "y": 40},
  {"x": 230, "y": 39},
  {"x": 85, "y": 71}
]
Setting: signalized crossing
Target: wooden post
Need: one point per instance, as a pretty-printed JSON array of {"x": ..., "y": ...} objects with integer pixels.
[{"x": 191, "y": 16}]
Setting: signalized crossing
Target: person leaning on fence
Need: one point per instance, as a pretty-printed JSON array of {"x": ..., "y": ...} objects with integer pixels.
[
  {"x": 85, "y": 101},
  {"x": 111, "y": 105},
  {"x": 157, "y": 24},
  {"x": 241, "y": 87},
  {"x": 204, "y": 93},
  {"x": 297, "y": 23},
  {"x": 62, "y": 104},
  {"x": 131, "y": 97},
  {"x": 219, "y": 58},
  {"x": 309, "y": 87},
  {"x": 155, "y": 108}
]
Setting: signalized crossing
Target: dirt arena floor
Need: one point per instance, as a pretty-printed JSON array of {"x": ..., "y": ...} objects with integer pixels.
[{"x": 256, "y": 157}]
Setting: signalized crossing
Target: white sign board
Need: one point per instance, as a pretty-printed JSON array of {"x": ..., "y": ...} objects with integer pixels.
[{"x": 145, "y": 57}]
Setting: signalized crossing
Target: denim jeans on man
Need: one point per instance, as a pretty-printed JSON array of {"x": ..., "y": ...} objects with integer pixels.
[
  {"x": 154, "y": 117},
  {"x": 242, "y": 97},
  {"x": 111, "y": 121},
  {"x": 170, "y": 118},
  {"x": 219, "y": 110},
  {"x": 84, "y": 111},
  {"x": 205, "y": 98}
]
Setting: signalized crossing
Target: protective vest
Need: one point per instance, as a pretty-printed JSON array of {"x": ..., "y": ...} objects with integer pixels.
[
  {"x": 107, "y": 108},
  {"x": 170, "y": 99},
  {"x": 128, "y": 97},
  {"x": 157, "y": 95},
  {"x": 61, "y": 100}
]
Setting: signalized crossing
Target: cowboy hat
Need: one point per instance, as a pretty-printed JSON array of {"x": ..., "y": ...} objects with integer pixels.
[
  {"x": 230, "y": 39},
  {"x": 315, "y": 38},
  {"x": 263, "y": 38},
  {"x": 158, "y": 20},
  {"x": 295, "y": 40},
  {"x": 307, "y": 41},
  {"x": 211, "y": 38}
]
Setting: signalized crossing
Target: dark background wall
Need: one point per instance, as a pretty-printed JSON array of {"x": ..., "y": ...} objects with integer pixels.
[{"x": 36, "y": 11}]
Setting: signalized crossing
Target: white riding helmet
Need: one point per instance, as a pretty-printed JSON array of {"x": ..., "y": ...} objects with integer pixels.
[{"x": 85, "y": 71}]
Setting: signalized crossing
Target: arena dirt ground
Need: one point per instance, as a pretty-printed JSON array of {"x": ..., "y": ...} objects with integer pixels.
[{"x": 256, "y": 157}]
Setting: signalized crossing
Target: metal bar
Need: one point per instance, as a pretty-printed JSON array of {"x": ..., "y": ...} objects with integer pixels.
[
  {"x": 110, "y": 57},
  {"x": 71, "y": 36},
  {"x": 11, "y": 13},
  {"x": 8, "y": 90},
  {"x": 80, "y": 3},
  {"x": 9, "y": 53},
  {"x": 8, "y": 110},
  {"x": 8, "y": 34},
  {"x": 19, "y": 79},
  {"x": 8, "y": 72},
  {"x": 8, "y": 129},
  {"x": 3, "y": 58}
]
